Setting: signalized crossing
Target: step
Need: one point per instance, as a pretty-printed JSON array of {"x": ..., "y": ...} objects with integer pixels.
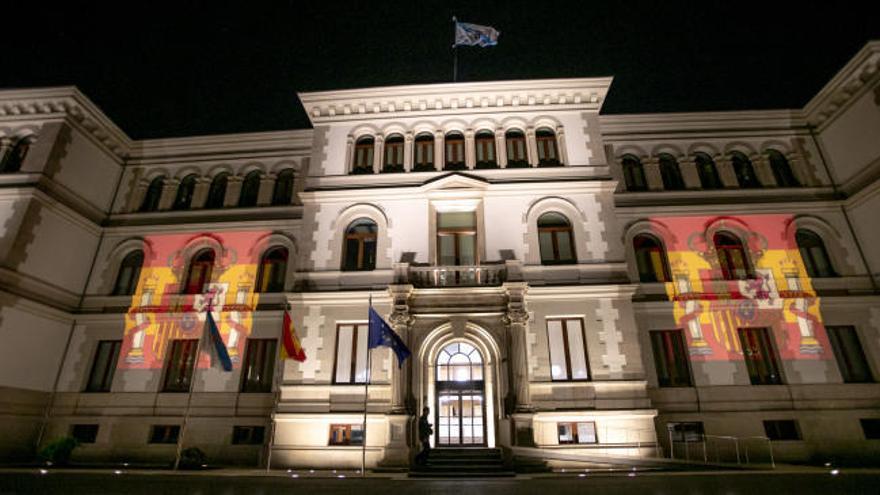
[{"x": 475, "y": 474}]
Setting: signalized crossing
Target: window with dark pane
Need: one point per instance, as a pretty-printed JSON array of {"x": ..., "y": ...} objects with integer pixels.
[
  {"x": 84, "y": 433},
  {"x": 250, "y": 189},
  {"x": 548, "y": 152},
  {"x": 707, "y": 171},
  {"x": 485, "y": 149},
  {"x": 633, "y": 174},
  {"x": 129, "y": 273},
  {"x": 164, "y": 433},
  {"x": 217, "y": 191},
  {"x": 423, "y": 156},
  {"x": 282, "y": 193},
  {"x": 670, "y": 358},
  {"x": 359, "y": 251},
  {"x": 103, "y": 366},
  {"x": 555, "y": 239},
  {"x": 670, "y": 173},
  {"x": 273, "y": 270},
  {"x": 517, "y": 153},
  {"x": 248, "y": 435},
  {"x": 849, "y": 353},
  {"x": 393, "y": 154},
  {"x": 180, "y": 362},
  {"x": 782, "y": 429},
  {"x": 258, "y": 370},
  {"x": 153, "y": 195},
  {"x": 745, "y": 172},
  {"x": 185, "y": 190},
  {"x": 781, "y": 169},
  {"x": 650, "y": 259},
  {"x": 760, "y": 356},
  {"x": 813, "y": 253},
  {"x": 199, "y": 273},
  {"x": 363, "y": 155},
  {"x": 732, "y": 257},
  {"x": 454, "y": 146}
]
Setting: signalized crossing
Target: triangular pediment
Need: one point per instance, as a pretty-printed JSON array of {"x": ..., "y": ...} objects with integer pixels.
[{"x": 455, "y": 181}]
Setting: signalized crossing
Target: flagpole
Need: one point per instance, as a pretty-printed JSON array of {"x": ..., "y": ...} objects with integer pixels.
[
  {"x": 366, "y": 395},
  {"x": 454, "y": 53},
  {"x": 277, "y": 395},
  {"x": 192, "y": 383}
]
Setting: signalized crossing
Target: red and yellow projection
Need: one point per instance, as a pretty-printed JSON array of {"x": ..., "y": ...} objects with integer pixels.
[
  {"x": 181, "y": 276},
  {"x": 727, "y": 273}
]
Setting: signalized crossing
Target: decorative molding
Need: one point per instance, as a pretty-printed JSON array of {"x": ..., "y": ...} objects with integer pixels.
[
  {"x": 850, "y": 82},
  {"x": 455, "y": 98}
]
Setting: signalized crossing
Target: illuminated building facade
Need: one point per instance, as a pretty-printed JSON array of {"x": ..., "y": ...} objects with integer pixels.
[{"x": 583, "y": 284}]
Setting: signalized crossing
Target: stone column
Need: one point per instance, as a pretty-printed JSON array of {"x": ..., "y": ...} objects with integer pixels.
[
  {"x": 761, "y": 164},
  {"x": 689, "y": 172},
  {"x": 470, "y": 149},
  {"x": 349, "y": 154},
  {"x": 438, "y": 150},
  {"x": 560, "y": 146},
  {"x": 233, "y": 190},
  {"x": 5, "y": 147},
  {"x": 725, "y": 171},
  {"x": 651, "y": 165},
  {"x": 408, "y": 140},
  {"x": 200, "y": 192},
  {"x": 500, "y": 148},
  {"x": 516, "y": 318},
  {"x": 799, "y": 169},
  {"x": 378, "y": 154},
  {"x": 137, "y": 195},
  {"x": 401, "y": 320},
  {"x": 169, "y": 192},
  {"x": 531, "y": 147},
  {"x": 267, "y": 189}
]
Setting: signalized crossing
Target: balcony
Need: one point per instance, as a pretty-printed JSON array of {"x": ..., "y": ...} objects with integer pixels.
[{"x": 488, "y": 275}]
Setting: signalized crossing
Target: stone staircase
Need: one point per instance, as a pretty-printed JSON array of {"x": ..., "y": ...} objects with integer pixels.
[{"x": 462, "y": 463}]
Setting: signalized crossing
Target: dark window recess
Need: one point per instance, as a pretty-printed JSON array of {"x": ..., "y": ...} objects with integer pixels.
[
  {"x": 179, "y": 365},
  {"x": 782, "y": 429},
  {"x": 670, "y": 358},
  {"x": 259, "y": 366},
  {"x": 164, "y": 433},
  {"x": 346, "y": 435},
  {"x": 84, "y": 433},
  {"x": 849, "y": 354},
  {"x": 760, "y": 356},
  {"x": 129, "y": 273},
  {"x": 691, "y": 431},
  {"x": 103, "y": 366},
  {"x": 871, "y": 428},
  {"x": 248, "y": 435}
]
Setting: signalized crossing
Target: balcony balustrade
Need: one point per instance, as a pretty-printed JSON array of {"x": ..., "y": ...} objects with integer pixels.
[{"x": 488, "y": 275}]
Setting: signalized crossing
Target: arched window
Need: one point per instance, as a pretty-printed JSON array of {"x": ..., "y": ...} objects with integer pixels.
[
  {"x": 732, "y": 257},
  {"x": 183, "y": 199},
  {"x": 15, "y": 158},
  {"x": 555, "y": 239},
  {"x": 454, "y": 151},
  {"x": 363, "y": 155},
  {"x": 129, "y": 273},
  {"x": 485, "y": 144},
  {"x": 283, "y": 192},
  {"x": 633, "y": 173},
  {"x": 670, "y": 173},
  {"x": 393, "y": 154},
  {"x": 745, "y": 173},
  {"x": 360, "y": 245},
  {"x": 708, "y": 172},
  {"x": 781, "y": 170},
  {"x": 217, "y": 191},
  {"x": 813, "y": 252},
  {"x": 459, "y": 362},
  {"x": 153, "y": 195},
  {"x": 199, "y": 273},
  {"x": 517, "y": 155},
  {"x": 273, "y": 268},
  {"x": 423, "y": 158},
  {"x": 651, "y": 259},
  {"x": 548, "y": 154},
  {"x": 250, "y": 189}
]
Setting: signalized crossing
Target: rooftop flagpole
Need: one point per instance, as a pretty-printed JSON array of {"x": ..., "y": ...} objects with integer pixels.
[{"x": 454, "y": 52}]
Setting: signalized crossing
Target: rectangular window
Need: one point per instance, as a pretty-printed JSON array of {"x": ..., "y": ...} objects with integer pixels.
[
  {"x": 457, "y": 238},
  {"x": 583, "y": 432},
  {"x": 850, "y": 356},
  {"x": 84, "y": 433},
  {"x": 690, "y": 431},
  {"x": 351, "y": 353},
  {"x": 871, "y": 428},
  {"x": 248, "y": 435},
  {"x": 568, "y": 349},
  {"x": 782, "y": 429},
  {"x": 346, "y": 434},
  {"x": 259, "y": 366},
  {"x": 103, "y": 366},
  {"x": 164, "y": 433},
  {"x": 670, "y": 358},
  {"x": 760, "y": 356},
  {"x": 179, "y": 365}
]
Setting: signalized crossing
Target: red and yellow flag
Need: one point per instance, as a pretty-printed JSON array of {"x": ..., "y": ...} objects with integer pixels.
[{"x": 290, "y": 348}]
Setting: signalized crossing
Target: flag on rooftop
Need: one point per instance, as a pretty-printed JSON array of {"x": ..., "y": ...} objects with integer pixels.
[
  {"x": 381, "y": 334},
  {"x": 290, "y": 346},
  {"x": 467, "y": 34}
]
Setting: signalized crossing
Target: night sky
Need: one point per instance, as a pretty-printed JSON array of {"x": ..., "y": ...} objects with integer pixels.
[{"x": 188, "y": 68}]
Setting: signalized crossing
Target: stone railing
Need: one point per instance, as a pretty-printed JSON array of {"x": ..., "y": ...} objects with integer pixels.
[{"x": 457, "y": 276}]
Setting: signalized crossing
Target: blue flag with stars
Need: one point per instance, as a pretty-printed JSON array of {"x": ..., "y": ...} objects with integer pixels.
[{"x": 381, "y": 334}]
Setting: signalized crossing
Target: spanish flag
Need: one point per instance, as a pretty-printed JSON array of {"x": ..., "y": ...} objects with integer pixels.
[{"x": 290, "y": 348}]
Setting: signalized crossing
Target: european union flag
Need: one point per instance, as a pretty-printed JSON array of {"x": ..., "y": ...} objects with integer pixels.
[{"x": 381, "y": 334}]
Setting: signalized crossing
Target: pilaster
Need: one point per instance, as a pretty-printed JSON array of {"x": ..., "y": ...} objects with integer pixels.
[
  {"x": 438, "y": 150},
  {"x": 689, "y": 172},
  {"x": 516, "y": 318},
  {"x": 267, "y": 189},
  {"x": 651, "y": 166},
  {"x": 470, "y": 149},
  {"x": 233, "y": 190},
  {"x": 761, "y": 164},
  {"x": 169, "y": 192},
  {"x": 725, "y": 171},
  {"x": 137, "y": 195},
  {"x": 408, "y": 140},
  {"x": 531, "y": 147},
  {"x": 561, "y": 149},
  {"x": 200, "y": 192},
  {"x": 500, "y": 148},
  {"x": 378, "y": 154}
]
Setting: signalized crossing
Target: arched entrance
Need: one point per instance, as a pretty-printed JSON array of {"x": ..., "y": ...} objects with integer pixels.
[{"x": 460, "y": 411}]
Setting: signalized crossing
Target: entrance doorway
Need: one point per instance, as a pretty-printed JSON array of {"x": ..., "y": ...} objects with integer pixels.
[{"x": 460, "y": 408}]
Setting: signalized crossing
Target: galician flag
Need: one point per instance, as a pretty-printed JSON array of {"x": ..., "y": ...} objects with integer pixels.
[
  {"x": 290, "y": 346},
  {"x": 213, "y": 343},
  {"x": 467, "y": 34},
  {"x": 381, "y": 334}
]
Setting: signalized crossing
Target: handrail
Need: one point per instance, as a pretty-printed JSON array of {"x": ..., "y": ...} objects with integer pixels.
[{"x": 740, "y": 449}]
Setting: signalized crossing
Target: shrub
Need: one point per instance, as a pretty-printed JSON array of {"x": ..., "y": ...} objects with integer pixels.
[
  {"x": 192, "y": 458},
  {"x": 58, "y": 451}
]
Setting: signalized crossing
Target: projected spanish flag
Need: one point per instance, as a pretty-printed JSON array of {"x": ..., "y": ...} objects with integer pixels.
[
  {"x": 731, "y": 272},
  {"x": 181, "y": 274}
]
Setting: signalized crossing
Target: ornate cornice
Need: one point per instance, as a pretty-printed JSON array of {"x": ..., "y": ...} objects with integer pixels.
[
  {"x": 858, "y": 74},
  {"x": 67, "y": 102},
  {"x": 455, "y": 98}
]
